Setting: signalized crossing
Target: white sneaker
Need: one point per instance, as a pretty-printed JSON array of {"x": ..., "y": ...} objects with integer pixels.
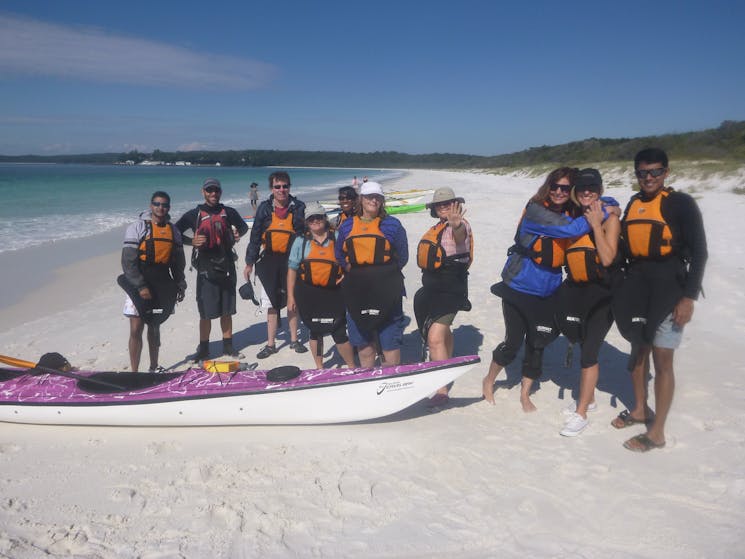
[
  {"x": 572, "y": 408},
  {"x": 574, "y": 425}
]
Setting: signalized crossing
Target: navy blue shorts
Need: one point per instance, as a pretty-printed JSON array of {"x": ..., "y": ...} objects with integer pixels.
[{"x": 391, "y": 333}]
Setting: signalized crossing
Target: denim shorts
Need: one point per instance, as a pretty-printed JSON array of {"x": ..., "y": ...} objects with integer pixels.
[
  {"x": 391, "y": 334},
  {"x": 668, "y": 334}
]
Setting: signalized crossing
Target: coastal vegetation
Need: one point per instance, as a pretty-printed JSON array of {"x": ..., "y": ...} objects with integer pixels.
[{"x": 724, "y": 145}]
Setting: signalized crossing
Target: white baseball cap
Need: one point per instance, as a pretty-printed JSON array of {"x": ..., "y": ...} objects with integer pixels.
[{"x": 369, "y": 187}]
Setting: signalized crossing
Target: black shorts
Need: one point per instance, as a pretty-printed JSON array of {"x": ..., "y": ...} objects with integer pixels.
[
  {"x": 339, "y": 334},
  {"x": 215, "y": 299}
]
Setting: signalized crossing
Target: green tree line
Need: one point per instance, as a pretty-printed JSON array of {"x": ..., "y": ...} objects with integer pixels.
[{"x": 726, "y": 142}]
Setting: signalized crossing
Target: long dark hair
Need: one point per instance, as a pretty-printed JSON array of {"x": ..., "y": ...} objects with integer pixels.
[{"x": 541, "y": 196}]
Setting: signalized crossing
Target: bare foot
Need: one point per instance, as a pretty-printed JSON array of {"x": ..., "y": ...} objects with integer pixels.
[
  {"x": 488, "y": 388},
  {"x": 528, "y": 406},
  {"x": 526, "y": 385}
]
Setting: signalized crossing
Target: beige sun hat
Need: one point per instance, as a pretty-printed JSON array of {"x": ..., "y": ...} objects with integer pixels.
[
  {"x": 443, "y": 194},
  {"x": 314, "y": 208}
]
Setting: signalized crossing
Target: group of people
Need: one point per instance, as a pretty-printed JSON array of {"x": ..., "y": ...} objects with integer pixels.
[
  {"x": 642, "y": 268},
  {"x": 343, "y": 279}
]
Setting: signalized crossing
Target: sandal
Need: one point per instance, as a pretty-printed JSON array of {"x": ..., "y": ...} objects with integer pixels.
[
  {"x": 642, "y": 443},
  {"x": 624, "y": 419},
  {"x": 266, "y": 352}
]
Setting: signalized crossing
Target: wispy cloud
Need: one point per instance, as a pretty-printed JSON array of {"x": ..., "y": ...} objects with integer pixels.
[{"x": 32, "y": 47}]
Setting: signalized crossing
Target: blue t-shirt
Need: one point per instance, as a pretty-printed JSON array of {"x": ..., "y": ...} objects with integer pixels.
[{"x": 297, "y": 254}]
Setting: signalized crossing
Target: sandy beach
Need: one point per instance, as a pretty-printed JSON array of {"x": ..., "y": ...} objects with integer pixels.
[{"x": 474, "y": 480}]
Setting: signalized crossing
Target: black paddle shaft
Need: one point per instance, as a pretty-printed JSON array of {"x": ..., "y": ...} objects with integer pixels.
[{"x": 69, "y": 374}]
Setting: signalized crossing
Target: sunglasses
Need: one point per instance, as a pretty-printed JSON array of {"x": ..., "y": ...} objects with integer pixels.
[
  {"x": 583, "y": 189},
  {"x": 373, "y": 198},
  {"x": 281, "y": 186},
  {"x": 212, "y": 189},
  {"x": 565, "y": 188},
  {"x": 165, "y": 205},
  {"x": 656, "y": 173},
  {"x": 345, "y": 198}
]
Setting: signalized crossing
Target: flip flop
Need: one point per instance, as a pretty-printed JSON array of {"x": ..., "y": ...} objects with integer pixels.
[
  {"x": 642, "y": 443},
  {"x": 627, "y": 420}
]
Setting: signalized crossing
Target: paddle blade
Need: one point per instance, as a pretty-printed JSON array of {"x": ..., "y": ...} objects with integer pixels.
[{"x": 15, "y": 362}]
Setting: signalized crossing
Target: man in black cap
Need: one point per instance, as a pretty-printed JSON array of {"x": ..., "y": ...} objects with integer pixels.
[{"x": 216, "y": 229}]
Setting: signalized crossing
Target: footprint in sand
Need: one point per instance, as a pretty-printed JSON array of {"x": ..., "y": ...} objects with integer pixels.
[
  {"x": 9, "y": 448},
  {"x": 14, "y": 505}
]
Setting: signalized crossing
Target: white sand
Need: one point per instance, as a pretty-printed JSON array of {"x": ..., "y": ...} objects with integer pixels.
[{"x": 474, "y": 480}]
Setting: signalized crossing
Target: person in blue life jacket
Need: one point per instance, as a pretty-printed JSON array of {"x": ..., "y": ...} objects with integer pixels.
[
  {"x": 584, "y": 308},
  {"x": 279, "y": 220},
  {"x": 153, "y": 263},
  {"x": 444, "y": 255},
  {"x": 372, "y": 249},
  {"x": 216, "y": 228},
  {"x": 664, "y": 243},
  {"x": 530, "y": 279},
  {"x": 313, "y": 286}
]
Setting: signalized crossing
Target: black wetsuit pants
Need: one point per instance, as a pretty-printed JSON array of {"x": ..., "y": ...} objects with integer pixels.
[{"x": 516, "y": 332}]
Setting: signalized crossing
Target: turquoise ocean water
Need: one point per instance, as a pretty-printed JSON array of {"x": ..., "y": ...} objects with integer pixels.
[{"x": 47, "y": 203}]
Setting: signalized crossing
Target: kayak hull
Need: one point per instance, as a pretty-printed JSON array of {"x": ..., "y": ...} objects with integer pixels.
[
  {"x": 413, "y": 208},
  {"x": 199, "y": 398}
]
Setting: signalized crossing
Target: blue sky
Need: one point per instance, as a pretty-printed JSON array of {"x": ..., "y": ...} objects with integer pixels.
[{"x": 479, "y": 77}]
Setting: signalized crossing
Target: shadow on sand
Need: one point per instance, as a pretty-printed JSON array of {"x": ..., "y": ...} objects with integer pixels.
[{"x": 614, "y": 377}]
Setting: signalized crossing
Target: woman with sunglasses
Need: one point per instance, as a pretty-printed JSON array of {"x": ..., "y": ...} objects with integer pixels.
[
  {"x": 584, "y": 307},
  {"x": 530, "y": 279},
  {"x": 313, "y": 286},
  {"x": 372, "y": 248},
  {"x": 348, "y": 203},
  {"x": 444, "y": 254}
]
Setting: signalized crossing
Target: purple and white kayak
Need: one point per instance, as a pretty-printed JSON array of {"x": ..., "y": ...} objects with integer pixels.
[{"x": 199, "y": 397}]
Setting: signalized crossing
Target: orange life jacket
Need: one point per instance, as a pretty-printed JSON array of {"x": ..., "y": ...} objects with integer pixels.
[
  {"x": 544, "y": 251},
  {"x": 156, "y": 246},
  {"x": 320, "y": 267},
  {"x": 582, "y": 260},
  {"x": 366, "y": 244},
  {"x": 279, "y": 235},
  {"x": 341, "y": 218},
  {"x": 431, "y": 256},
  {"x": 216, "y": 228},
  {"x": 549, "y": 252},
  {"x": 646, "y": 234}
]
